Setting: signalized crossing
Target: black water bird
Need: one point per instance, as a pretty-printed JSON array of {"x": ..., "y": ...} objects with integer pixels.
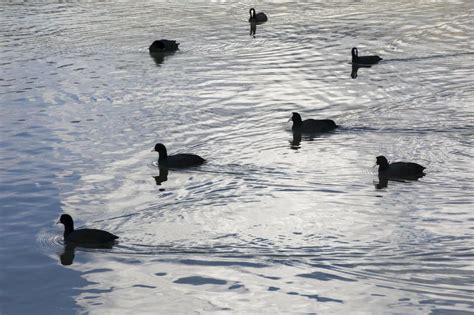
[
  {"x": 260, "y": 17},
  {"x": 84, "y": 236},
  {"x": 176, "y": 160},
  {"x": 311, "y": 125},
  {"x": 399, "y": 170},
  {"x": 163, "y": 45},
  {"x": 364, "y": 60}
]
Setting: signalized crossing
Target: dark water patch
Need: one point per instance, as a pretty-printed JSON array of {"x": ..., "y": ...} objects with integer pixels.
[
  {"x": 315, "y": 297},
  {"x": 270, "y": 277},
  {"x": 236, "y": 286},
  {"x": 449, "y": 311},
  {"x": 197, "y": 280},
  {"x": 160, "y": 274},
  {"x": 221, "y": 263},
  {"x": 324, "y": 276},
  {"x": 143, "y": 286},
  {"x": 99, "y": 291},
  {"x": 440, "y": 56},
  {"x": 99, "y": 270}
]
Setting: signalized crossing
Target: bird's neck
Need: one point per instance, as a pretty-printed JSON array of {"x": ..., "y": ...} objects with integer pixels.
[
  {"x": 163, "y": 155},
  {"x": 297, "y": 122},
  {"x": 68, "y": 229},
  {"x": 383, "y": 167},
  {"x": 354, "y": 55}
]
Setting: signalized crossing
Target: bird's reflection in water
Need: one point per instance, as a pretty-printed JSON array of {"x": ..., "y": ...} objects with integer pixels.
[
  {"x": 382, "y": 183},
  {"x": 159, "y": 57},
  {"x": 355, "y": 68},
  {"x": 67, "y": 256},
  {"x": 253, "y": 29},
  {"x": 298, "y": 136},
  {"x": 295, "y": 142},
  {"x": 162, "y": 177}
]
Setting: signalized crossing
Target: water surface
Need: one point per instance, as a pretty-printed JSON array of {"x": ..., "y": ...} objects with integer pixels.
[{"x": 271, "y": 223}]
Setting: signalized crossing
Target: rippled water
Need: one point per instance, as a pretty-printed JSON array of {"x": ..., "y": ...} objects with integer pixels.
[{"x": 270, "y": 223}]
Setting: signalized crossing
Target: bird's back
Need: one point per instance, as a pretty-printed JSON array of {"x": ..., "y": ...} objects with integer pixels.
[
  {"x": 163, "y": 45},
  {"x": 170, "y": 44},
  {"x": 261, "y": 17},
  {"x": 367, "y": 60},
  {"x": 90, "y": 236},
  {"x": 405, "y": 170},
  {"x": 182, "y": 160},
  {"x": 318, "y": 125}
]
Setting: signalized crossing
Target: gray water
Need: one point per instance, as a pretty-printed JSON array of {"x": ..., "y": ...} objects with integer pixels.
[{"x": 269, "y": 224}]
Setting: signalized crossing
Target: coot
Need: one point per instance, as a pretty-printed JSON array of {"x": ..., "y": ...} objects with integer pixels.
[
  {"x": 311, "y": 125},
  {"x": 84, "y": 236},
  {"x": 163, "y": 45},
  {"x": 258, "y": 18},
  {"x": 400, "y": 170},
  {"x": 364, "y": 60},
  {"x": 176, "y": 160}
]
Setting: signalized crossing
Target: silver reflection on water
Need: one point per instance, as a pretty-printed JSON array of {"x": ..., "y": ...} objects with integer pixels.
[{"x": 272, "y": 222}]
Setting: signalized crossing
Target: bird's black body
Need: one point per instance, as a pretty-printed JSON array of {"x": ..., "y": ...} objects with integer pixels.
[
  {"x": 176, "y": 160},
  {"x": 257, "y": 18},
  {"x": 163, "y": 45},
  {"x": 399, "y": 170},
  {"x": 363, "y": 60},
  {"x": 84, "y": 236},
  {"x": 311, "y": 125}
]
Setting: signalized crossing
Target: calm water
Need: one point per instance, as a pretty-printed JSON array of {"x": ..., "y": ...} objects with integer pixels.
[{"x": 269, "y": 224}]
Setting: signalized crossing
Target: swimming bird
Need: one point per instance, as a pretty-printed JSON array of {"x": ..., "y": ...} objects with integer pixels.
[
  {"x": 311, "y": 125},
  {"x": 84, "y": 236},
  {"x": 399, "y": 170},
  {"x": 176, "y": 160},
  {"x": 163, "y": 45},
  {"x": 260, "y": 17},
  {"x": 364, "y": 60}
]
